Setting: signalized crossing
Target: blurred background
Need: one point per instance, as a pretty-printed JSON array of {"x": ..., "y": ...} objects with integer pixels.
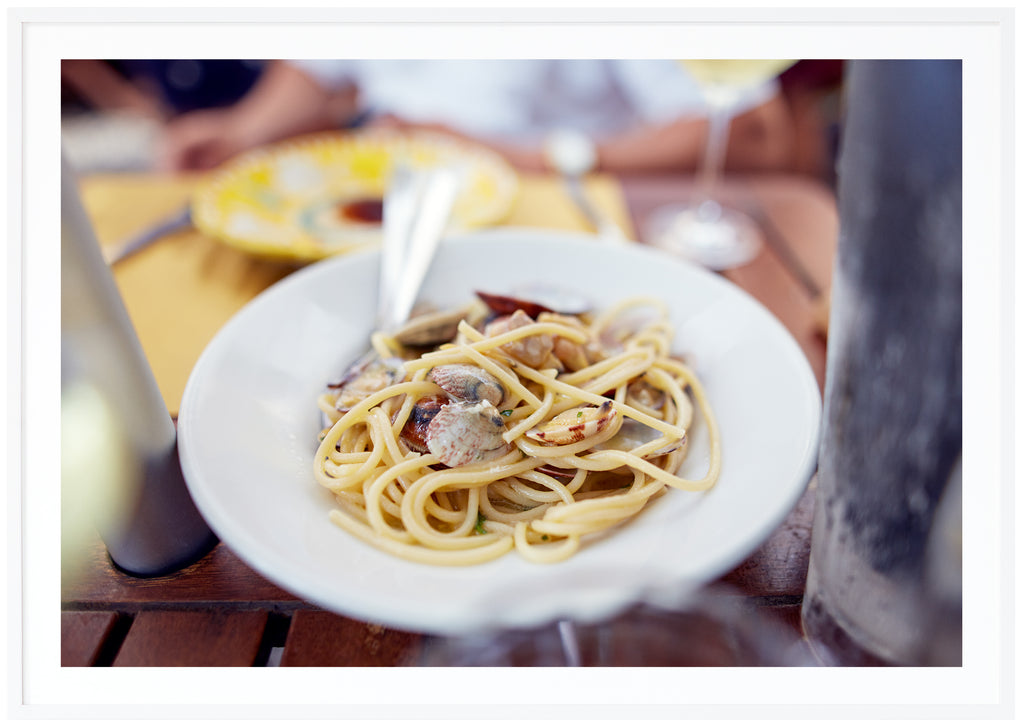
[
  {"x": 121, "y": 115},
  {"x": 114, "y": 111}
]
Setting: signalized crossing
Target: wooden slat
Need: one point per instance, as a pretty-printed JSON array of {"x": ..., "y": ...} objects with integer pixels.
[
  {"x": 804, "y": 213},
  {"x": 767, "y": 280},
  {"x": 779, "y": 566},
  {"x": 319, "y": 638},
  {"x": 757, "y": 637},
  {"x": 789, "y": 615},
  {"x": 193, "y": 638},
  {"x": 220, "y": 577},
  {"x": 82, "y": 636}
]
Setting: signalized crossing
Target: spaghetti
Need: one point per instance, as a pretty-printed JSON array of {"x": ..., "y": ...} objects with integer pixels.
[{"x": 527, "y": 433}]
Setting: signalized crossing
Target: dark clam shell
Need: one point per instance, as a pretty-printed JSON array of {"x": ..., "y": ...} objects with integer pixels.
[
  {"x": 535, "y": 300},
  {"x": 414, "y": 433}
]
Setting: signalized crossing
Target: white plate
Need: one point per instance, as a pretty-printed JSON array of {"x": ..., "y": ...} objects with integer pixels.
[{"x": 248, "y": 429}]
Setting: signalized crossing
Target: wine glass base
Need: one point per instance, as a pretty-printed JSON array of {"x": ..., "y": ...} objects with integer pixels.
[{"x": 708, "y": 234}]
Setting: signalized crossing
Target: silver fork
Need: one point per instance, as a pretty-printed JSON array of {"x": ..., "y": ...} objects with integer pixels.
[
  {"x": 417, "y": 206},
  {"x": 416, "y": 211}
]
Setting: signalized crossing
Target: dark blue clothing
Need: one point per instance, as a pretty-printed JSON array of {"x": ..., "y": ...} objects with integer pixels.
[{"x": 187, "y": 85}]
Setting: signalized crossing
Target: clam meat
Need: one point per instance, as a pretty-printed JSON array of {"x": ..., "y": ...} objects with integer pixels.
[
  {"x": 574, "y": 425},
  {"x": 463, "y": 433}
]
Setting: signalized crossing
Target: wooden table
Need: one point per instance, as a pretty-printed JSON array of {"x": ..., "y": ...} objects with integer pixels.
[{"x": 219, "y": 612}]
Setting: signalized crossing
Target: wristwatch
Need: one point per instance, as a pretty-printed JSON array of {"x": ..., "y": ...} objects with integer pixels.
[{"x": 570, "y": 152}]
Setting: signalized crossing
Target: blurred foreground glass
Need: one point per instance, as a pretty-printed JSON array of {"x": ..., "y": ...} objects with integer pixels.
[
  {"x": 120, "y": 473},
  {"x": 704, "y": 229},
  {"x": 716, "y": 626},
  {"x": 884, "y": 584}
]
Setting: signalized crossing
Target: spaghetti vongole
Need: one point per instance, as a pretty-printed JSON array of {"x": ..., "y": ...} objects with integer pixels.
[{"x": 525, "y": 431}]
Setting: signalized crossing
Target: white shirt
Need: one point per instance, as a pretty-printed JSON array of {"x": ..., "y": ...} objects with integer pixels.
[{"x": 523, "y": 100}]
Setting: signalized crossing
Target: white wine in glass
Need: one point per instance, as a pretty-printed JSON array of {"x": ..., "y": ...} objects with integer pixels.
[
  {"x": 735, "y": 73},
  {"x": 704, "y": 230}
]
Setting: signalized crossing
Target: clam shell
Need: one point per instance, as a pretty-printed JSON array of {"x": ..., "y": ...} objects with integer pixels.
[
  {"x": 574, "y": 425},
  {"x": 466, "y": 382},
  {"x": 463, "y": 433}
]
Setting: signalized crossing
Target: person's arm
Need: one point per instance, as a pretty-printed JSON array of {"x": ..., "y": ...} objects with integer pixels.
[
  {"x": 759, "y": 139},
  {"x": 285, "y": 102},
  {"x": 673, "y": 138},
  {"x": 104, "y": 88}
]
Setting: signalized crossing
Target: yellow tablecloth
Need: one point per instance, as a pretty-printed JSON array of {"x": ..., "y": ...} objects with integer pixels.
[{"x": 182, "y": 289}]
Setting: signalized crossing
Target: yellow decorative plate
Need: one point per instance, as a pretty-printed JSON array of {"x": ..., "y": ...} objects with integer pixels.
[{"x": 320, "y": 195}]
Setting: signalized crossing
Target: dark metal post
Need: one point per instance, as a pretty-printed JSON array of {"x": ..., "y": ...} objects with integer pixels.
[{"x": 884, "y": 580}]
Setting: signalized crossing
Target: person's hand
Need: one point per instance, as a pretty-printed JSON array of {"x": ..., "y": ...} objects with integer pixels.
[
  {"x": 201, "y": 140},
  {"x": 285, "y": 102}
]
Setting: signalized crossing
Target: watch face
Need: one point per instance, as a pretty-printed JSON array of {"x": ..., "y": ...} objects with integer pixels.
[{"x": 570, "y": 152}]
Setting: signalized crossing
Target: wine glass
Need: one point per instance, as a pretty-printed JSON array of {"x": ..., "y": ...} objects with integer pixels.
[
  {"x": 717, "y": 625},
  {"x": 703, "y": 229}
]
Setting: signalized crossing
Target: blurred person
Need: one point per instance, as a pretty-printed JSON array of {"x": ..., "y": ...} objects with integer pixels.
[
  {"x": 90, "y": 84},
  {"x": 157, "y": 88},
  {"x": 643, "y": 116},
  {"x": 113, "y": 112}
]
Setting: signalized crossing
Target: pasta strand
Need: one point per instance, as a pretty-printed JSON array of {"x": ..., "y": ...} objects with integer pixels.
[{"x": 578, "y": 447}]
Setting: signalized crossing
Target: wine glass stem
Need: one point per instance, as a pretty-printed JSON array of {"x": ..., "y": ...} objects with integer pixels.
[
  {"x": 570, "y": 644},
  {"x": 714, "y": 151}
]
